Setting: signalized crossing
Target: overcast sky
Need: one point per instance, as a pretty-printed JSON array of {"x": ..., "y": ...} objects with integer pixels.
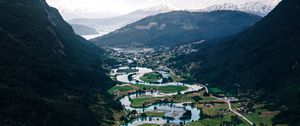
[{"x": 114, "y": 7}]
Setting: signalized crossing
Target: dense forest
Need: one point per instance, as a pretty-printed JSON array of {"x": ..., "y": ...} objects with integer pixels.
[
  {"x": 263, "y": 58},
  {"x": 49, "y": 75},
  {"x": 178, "y": 27}
]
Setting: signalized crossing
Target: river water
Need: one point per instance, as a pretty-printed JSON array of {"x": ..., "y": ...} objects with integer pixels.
[{"x": 174, "y": 110}]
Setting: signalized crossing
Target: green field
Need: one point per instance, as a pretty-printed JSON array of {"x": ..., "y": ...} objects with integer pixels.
[
  {"x": 163, "y": 89},
  {"x": 134, "y": 87},
  {"x": 208, "y": 122},
  {"x": 215, "y": 110},
  {"x": 155, "y": 114},
  {"x": 149, "y": 125},
  {"x": 183, "y": 98},
  {"x": 212, "y": 122},
  {"x": 176, "y": 78},
  {"x": 151, "y": 77},
  {"x": 215, "y": 90},
  {"x": 120, "y": 88},
  {"x": 216, "y": 121},
  {"x": 138, "y": 102},
  {"x": 261, "y": 116}
]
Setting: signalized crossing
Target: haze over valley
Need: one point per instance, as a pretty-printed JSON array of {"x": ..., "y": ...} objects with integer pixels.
[{"x": 111, "y": 22}]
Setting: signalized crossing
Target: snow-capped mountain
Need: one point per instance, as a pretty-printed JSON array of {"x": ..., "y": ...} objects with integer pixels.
[
  {"x": 160, "y": 8},
  {"x": 142, "y": 13},
  {"x": 178, "y": 27},
  {"x": 257, "y": 8},
  {"x": 106, "y": 25}
]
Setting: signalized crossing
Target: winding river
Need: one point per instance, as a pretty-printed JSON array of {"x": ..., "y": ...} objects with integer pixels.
[{"x": 174, "y": 110}]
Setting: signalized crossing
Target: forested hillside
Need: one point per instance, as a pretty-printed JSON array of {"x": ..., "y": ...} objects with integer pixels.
[
  {"x": 264, "y": 57},
  {"x": 49, "y": 75},
  {"x": 178, "y": 27}
]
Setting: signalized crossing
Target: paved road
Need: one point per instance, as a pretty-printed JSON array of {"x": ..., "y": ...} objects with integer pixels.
[
  {"x": 229, "y": 105},
  {"x": 235, "y": 112},
  {"x": 205, "y": 88}
]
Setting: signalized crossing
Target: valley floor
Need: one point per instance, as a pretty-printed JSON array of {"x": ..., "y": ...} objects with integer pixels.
[{"x": 173, "y": 100}]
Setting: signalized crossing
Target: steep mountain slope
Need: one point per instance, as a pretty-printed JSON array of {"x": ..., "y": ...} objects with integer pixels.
[
  {"x": 48, "y": 75},
  {"x": 106, "y": 25},
  {"x": 83, "y": 30},
  {"x": 264, "y": 57},
  {"x": 178, "y": 27}
]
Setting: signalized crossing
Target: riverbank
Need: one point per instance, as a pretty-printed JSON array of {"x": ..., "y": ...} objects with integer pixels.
[{"x": 166, "y": 103}]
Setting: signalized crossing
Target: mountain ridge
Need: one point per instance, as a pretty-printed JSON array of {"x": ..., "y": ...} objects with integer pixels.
[
  {"x": 256, "y": 8},
  {"x": 106, "y": 25},
  {"x": 113, "y": 23},
  {"x": 178, "y": 27}
]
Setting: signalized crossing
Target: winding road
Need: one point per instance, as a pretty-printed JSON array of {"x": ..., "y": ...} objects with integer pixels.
[
  {"x": 229, "y": 105},
  {"x": 235, "y": 112}
]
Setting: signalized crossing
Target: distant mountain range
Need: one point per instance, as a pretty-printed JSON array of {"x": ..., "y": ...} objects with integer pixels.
[
  {"x": 83, "y": 30},
  {"x": 106, "y": 25},
  {"x": 257, "y": 8},
  {"x": 177, "y": 27},
  {"x": 265, "y": 58}
]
